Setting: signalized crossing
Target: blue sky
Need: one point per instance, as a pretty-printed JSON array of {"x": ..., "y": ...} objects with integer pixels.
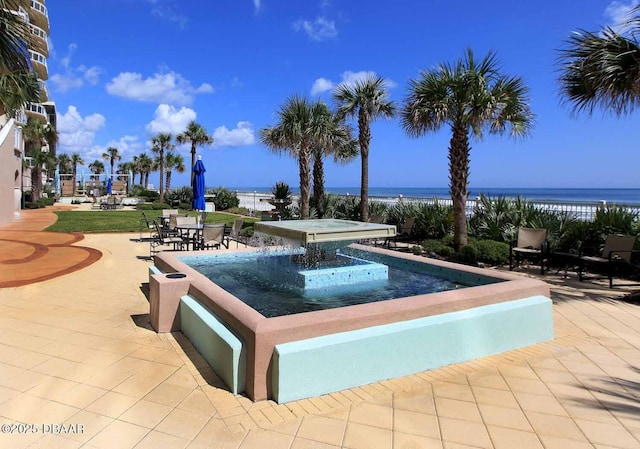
[{"x": 121, "y": 71}]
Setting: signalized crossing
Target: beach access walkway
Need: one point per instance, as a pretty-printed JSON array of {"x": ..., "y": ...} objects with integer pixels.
[{"x": 77, "y": 351}]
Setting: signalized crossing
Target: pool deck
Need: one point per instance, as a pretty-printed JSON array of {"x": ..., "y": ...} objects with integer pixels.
[{"x": 77, "y": 348}]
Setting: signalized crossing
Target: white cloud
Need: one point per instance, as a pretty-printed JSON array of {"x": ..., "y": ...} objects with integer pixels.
[
  {"x": 242, "y": 134},
  {"x": 168, "y": 87},
  {"x": 349, "y": 78},
  {"x": 76, "y": 133},
  {"x": 320, "y": 29},
  {"x": 617, "y": 13},
  {"x": 257, "y": 4},
  {"x": 166, "y": 11},
  {"x": 168, "y": 119},
  {"x": 74, "y": 78}
]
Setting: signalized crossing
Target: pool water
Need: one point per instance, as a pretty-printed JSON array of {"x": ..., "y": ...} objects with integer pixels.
[{"x": 260, "y": 281}]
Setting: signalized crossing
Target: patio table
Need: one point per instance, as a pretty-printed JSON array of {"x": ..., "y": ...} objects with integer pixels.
[{"x": 192, "y": 232}]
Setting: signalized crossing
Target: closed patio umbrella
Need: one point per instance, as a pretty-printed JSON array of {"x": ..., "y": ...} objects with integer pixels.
[
  {"x": 198, "y": 185},
  {"x": 58, "y": 187},
  {"x": 109, "y": 185},
  {"x": 130, "y": 180}
]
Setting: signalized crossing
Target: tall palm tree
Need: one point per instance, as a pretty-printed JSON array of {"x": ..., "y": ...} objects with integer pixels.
[
  {"x": 76, "y": 160},
  {"x": 112, "y": 155},
  {"x": 470, "y": 97},
  {"x": 64, "y": 163},
  {"x": 602, "y": 69},
  {"x": 333, "y": 138},
  {"x": 160, "y": 143},
  {"x": 197, "y": 135},
  {"x": 18, "y": 83},
  {"x": 295, "y": 133},
  {"x": 35, "y": 135},
  {"x": 146, "y": 164},
  {"x": 367, "y": 100},
  {"x": 172, "y": 161},
  {"x": 96, "y": 167}
]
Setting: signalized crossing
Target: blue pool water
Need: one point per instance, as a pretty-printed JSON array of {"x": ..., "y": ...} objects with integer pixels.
[{"x": 260, "y": 281}]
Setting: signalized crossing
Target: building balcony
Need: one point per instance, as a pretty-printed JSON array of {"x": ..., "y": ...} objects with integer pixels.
[
  {"x": 39, "y": 16},
  {"x": 39, "y": 40},
  {"x": 36, "y": 110},
  {"x": 39, "y": 64}
]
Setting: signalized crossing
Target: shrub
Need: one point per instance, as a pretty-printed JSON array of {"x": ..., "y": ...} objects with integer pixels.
[
  {"x": 144, "y": 206},
  {"x": 433, "y": 221},
  {"x": 182, "y": 195},
  {"x": 185, "y": 206},
  {"x": 439, "y": 248},
  {"x": 49, "y": 201},
  {"x": 160, "y": 206},
  {"x": 32, "y": 205},
  {"x": 238, "y": 210},
  {"x": 468, "y": 254},
  {"x": 417, "y": 250},
  {"x": 225, "y": 199},
  {"x": 492, "y": 252},
  {"x": 150, "y": 195},
  {"x": 247, "y": 232},
  {"x": 281, "y": 191}
]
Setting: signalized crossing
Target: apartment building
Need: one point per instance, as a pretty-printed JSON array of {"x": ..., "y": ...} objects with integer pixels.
[{"x": 14, "y": 179}]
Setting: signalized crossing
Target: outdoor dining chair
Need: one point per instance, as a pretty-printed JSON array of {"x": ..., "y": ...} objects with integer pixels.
[
  {"x": 403, "y": 234},
  {"x": 616, "y": 253},
  {"x": 145, "y": 224},
  {"x": 234, "y": 232},
  {"x": 161, "y": 238},
  {"x": 213, "y": 236},
  {"x": 532, "y": 245}
]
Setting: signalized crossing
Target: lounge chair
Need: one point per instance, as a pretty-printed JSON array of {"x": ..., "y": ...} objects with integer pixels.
[
  {"x": 213, "y": 236},
  {"x": 404, "y": 233},
  {"x": 616, "y": 253},
  {"x": 532, "y": 245}
]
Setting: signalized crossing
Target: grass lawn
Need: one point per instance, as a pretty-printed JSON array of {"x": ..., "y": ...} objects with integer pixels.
[{"x": 120, "y": 220}]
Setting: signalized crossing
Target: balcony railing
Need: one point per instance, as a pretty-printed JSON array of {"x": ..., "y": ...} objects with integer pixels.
[
  {"x": 39, "y": 7},
  {"x": 36, "y": 107},
  {"x": 42, "y": 34},
  {"x": 38, "y": 57}
]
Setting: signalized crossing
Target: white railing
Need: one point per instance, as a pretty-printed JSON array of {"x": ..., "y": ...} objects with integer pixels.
[
  {"x": 582, "y": 210},
  {"x": 39, "y": 32},
  {"x": 38, "y": 57},
  {"x": 36, "y": 107}
]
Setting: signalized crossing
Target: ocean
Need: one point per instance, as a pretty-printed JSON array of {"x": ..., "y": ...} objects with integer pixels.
[{"x": 611, "y": 196}]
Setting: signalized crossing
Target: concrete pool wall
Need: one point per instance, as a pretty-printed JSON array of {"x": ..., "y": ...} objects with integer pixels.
[{"x": 265, "y": 339}]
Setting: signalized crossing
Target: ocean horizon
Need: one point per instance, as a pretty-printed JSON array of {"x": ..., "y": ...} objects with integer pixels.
[{"x": 610, "y": 195}]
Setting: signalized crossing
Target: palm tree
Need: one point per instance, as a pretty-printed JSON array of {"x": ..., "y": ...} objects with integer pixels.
[
  {"x": 197, "y": 136},
  {"x": 35, "y": 135},
  {"x": 18, "y": 83},
  {"x": 334, "y": 138},
  {"x": 76, "y": 160},
  {"x": 64, "y": 163},
  {"x": 146, "y": 164},
  {"x": 96, "y": 167},
  {"x": 366, "y": 99},
  {"x": 172, "y": 161},
  {"x": 602, "y": 69},
  {"x": 470, "y": 97},
  {"x": 295, "y": 133},
  {"x": 160, "y": 143},
  {"x": 112, "y": 155}
]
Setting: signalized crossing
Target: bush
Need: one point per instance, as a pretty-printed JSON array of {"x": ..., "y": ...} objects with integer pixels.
[
  {"x": 32, "y": 205},
  {"x": 238, "y": 210},
  {"x": 439, "y": 248},
  {"x": 49, "y": 201},
  {"x": 247, "y": 232},
  {"x": 492, "y": 252},
  {"x": 185, "y": 206},
  {"x": 182, "y": 195},
  {"x": 225, "y": 199},
  {"x": 150, "y": 195},
  {"x": 144, "y": 206},
  {"x": 468, "y": 254}
]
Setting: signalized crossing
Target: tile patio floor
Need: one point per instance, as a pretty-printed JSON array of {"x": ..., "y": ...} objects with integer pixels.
[{"x": 77, "y": 349}]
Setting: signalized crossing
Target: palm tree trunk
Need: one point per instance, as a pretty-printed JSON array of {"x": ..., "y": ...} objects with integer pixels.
[
  {"x": 318, "y": 183},
  {"x": 193, "y": 161},
  {"x": 146, "y": 179},
  {"x": 168, "y": 183},
  {"x": 364, "y": 137},
  {"x": 305, "y": 181},
  {"x": 73, "y": 187},
  {"x": 161, "y": 190},
  {"x": 459, "y": 178},
  {"x": 35, "y": 184}
]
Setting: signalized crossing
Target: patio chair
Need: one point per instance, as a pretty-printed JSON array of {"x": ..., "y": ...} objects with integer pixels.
[
  {"x": 145, "y": 224},
  {"x": 616, "y": 253},
  {"x": 403, "y": 234},
  {"x": 531, "y": 244},
  {"x": 161, "y": 238},
  {"x": 213, "y": 236},
  {"x": 234, "y": 232},
  {"x": 187, "y": 235}
]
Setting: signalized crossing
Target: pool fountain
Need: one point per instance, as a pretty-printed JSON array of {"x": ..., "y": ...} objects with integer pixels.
[{"x": 324, "y": 314}]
